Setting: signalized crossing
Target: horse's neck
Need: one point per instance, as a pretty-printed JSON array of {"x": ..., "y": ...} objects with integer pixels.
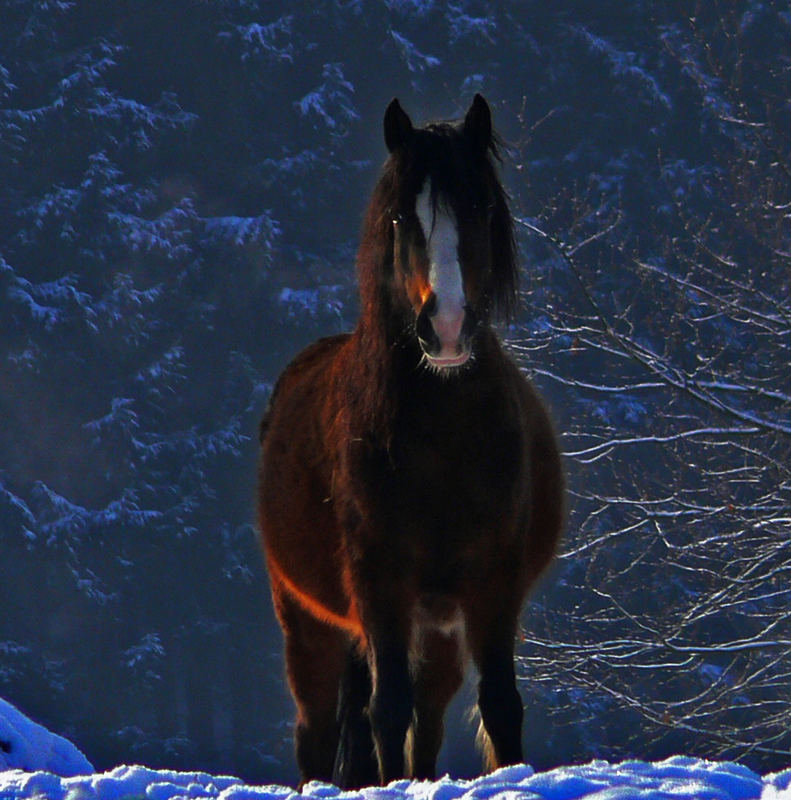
[
  {"x": 368, "y": 388},
  {"x": 364, "y": 385},
  {"x": 383, "y": 371}
]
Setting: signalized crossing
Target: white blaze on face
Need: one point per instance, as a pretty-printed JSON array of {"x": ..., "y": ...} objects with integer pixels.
[{"x": 442, "y": 242}]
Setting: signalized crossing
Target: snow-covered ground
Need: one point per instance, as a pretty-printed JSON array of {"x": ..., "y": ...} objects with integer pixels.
[
  {"x": 37, "y": 764},
  {"x": 677, "y": 778},
  {"x": 26, "y": 745}
]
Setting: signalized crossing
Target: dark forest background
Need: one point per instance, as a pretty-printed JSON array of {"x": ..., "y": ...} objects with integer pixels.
[{"x": 181, "y": 188}]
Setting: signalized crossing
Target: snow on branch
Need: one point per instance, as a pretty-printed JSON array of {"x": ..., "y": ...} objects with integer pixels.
[
  {"x": 415, "y": 60},
  {"x": 331, "y": 101}
]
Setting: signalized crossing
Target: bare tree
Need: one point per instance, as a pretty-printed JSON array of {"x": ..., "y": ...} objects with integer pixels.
[{"x": 669, "y": 342}]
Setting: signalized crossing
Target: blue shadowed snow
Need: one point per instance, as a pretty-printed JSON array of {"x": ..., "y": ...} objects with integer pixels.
[
  {"x": 35, "y": 763},
  {"x": 26, "y": 745},
  {"x": 415, "y": 60}
]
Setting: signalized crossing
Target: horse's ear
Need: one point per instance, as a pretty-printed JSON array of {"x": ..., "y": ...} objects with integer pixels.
[
  {"x": 398, "y": 126},
  {"x": 478, "y": 124}
]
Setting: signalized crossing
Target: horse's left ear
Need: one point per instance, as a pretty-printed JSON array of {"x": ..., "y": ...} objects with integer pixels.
[
  {"x": 398, "y": 126},
  {"x": 478, "y": 124}
]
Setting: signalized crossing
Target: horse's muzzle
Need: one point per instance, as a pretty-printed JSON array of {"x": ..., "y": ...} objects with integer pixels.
[{"x": 445, "y": 334}]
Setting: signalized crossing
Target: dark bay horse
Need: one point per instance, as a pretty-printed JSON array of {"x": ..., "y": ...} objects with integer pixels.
[{"x": 410, "y": 489}]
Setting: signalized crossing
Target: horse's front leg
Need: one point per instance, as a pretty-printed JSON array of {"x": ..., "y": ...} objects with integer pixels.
[
  {"x": 491, "y": 631},
  {"x": 392, "y": 703},
  {"x": 500, "y": 706},
  {"x": 385, "y": 614}
]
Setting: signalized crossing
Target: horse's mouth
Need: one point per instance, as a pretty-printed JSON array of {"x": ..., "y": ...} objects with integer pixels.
[{"x": 448, "y": 362}]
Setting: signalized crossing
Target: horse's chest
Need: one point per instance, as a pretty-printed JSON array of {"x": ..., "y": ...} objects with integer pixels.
[
  {"x": 447, "y": 464},
  {"x": 447, "y": 492},
  {"x": 452, "y": 480}
]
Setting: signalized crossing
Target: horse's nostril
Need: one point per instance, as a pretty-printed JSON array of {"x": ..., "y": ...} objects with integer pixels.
[{"x": 471, "y": 321}]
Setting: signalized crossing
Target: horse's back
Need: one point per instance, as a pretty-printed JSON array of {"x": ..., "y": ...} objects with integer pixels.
[
  {"x": 301, "y": 370},
  {"x": 297, "y": 524}
]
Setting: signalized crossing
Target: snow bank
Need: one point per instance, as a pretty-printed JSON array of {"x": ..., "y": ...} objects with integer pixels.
[
  {"x": 677, "y": 778},
  {"x": 26, "y": 745},
  {"x": 32, "y": 761}
]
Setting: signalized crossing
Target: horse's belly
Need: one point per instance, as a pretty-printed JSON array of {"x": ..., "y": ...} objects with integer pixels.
[
  {"x": 300, "y": 533},
  {"x": 303, "y": 561}
]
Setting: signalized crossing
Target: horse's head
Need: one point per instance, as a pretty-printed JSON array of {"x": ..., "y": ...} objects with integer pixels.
[{"x": 453, "y": 260}]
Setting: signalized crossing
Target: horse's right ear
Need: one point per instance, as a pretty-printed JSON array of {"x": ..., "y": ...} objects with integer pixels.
[
  {"x": 398, "y": 126},
  {"x": 478, "y": 124}
]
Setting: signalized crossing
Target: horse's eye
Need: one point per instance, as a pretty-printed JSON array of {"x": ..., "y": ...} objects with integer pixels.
[{"x": 398, "y": 218}]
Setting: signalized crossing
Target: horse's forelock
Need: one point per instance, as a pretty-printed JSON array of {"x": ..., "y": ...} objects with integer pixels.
[{"x": 440, "y": 153}]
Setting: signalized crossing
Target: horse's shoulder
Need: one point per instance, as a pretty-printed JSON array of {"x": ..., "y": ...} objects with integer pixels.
[
  {"x": 314, "y": 357},
  {"x": 532, "y": 406}
]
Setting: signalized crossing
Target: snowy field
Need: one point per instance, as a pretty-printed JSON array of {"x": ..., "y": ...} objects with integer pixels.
[{"x": 35, "y": 763}]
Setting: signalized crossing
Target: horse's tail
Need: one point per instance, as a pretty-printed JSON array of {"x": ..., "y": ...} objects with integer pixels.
[{"x": 355, "y": 760}]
